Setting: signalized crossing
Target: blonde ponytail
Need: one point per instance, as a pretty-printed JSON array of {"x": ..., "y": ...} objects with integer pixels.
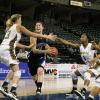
[{"x": 9, "y": 23}]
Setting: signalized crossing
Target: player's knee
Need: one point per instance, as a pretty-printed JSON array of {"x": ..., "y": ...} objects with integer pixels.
[
  {"x": 17, "y": 73},
  {"x": 40, "y": 71},
  {"x": 87, "y": 76},
  {"x": 77, "y": 73},
  {"x": 74, "y": 76},
  {"x": 33, "y": 77},
  {"x": 14, "y": 68}
]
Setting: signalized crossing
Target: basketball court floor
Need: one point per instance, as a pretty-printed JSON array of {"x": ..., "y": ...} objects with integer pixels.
[{"x": 53, "y": 89}]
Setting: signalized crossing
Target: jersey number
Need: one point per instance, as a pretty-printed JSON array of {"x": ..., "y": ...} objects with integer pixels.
[{"x": 7, "y": 35}]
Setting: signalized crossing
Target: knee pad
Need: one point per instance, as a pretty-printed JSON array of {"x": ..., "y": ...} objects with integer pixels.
[
  {"x": 17, "y": 73},
  {"x": 87, "y": 76},
  {"x": 74, "y": 76}
]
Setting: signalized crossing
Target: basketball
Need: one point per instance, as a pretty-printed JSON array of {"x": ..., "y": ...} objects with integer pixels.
[{"x": 54, "y": 52}]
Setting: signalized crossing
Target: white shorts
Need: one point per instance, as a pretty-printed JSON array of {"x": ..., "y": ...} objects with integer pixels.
[
  {"x": 83, "y": 69},
  {"x": 96, "y": 72},
  {"x": 7, "y": 55}
]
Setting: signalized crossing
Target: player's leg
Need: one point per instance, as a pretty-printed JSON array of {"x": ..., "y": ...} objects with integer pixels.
[
  {"x": 37, "y": 74},
  {"x": 82, "y": 71},
  {"x": 87, "y": 79},
  {"x": 7, "y": 81},
  {"x": 75, "y": 79},
  {"x": 16, "y": 77},
  {"x": 96, "y": 89},
  {"x": 83, "y": 91},
  {"x": 15, "y": 72},
  {"x": 40, "y": 78},
  {"x": 75, "y": 75},
  {"x": 32, "y": 68}
]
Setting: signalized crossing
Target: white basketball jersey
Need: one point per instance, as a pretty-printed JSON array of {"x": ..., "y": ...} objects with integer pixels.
[
  {"x": 11, "y": 37},
  {"x": 87, "y": 53}
]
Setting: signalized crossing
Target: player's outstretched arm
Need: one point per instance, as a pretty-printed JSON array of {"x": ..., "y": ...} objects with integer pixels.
[
  {"x": 33, "y": 34},
  {"x": 66, "y": 42}
]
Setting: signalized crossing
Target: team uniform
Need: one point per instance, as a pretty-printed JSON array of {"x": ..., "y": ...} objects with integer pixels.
[
  {"x": 7, "y": 47},
  {"x": 87, "y": 54},
  {"x": 8, "y": 55},
  {"x": 97, "y": 84},
  {"x": 37, "y": 60}
]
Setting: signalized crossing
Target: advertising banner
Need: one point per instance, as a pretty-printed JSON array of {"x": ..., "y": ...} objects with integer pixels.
[{"x": 55, "y": 70}]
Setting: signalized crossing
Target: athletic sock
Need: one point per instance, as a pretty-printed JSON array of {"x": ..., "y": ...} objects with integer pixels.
[
  {"x": 83, "y": 91},
  {"x": 5, "y": 86},
  {"x": 39, "y": 84},
  {"x": 74, "y": 85},
  {"x": 13, "y": 91}
]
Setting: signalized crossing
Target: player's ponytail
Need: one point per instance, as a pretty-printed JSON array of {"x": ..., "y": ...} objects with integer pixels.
[{"x": 9, "y": 23}]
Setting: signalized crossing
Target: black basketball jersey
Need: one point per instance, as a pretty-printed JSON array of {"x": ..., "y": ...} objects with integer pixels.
[{"x": 41, "y": 43}]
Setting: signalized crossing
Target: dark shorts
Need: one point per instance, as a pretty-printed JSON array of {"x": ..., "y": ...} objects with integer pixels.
[{"x": 35, "y": 61}]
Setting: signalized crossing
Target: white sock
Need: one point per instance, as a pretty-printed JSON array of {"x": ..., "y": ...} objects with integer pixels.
[
  {"x": 91, "y": 96},
  {"x": 6, "y": 80}
]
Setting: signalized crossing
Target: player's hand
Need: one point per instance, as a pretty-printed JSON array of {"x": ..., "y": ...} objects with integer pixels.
[
  {"x": 94, "y": 45},
  {"x": 49, "y": 51},
  {"x": 52, "y": 37},
  {"x": 98, "y": 62},
  {"x": 95, "y": 64}
]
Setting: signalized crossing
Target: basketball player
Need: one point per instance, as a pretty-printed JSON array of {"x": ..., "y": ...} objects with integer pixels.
[
  {"x": 93, "y": 71},
  {"x": 87, "y": 54},
  {"x": 7, "y": 50},
  {"x": 37, "y": 57}
]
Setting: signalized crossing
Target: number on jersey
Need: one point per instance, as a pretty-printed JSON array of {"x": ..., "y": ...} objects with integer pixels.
[{"x": 7, "y": 34}]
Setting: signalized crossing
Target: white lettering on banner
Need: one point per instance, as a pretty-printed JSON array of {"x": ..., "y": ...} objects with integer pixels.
[
  {"x": 51, "y": 65},
  {"x": 5, "y": 71}
]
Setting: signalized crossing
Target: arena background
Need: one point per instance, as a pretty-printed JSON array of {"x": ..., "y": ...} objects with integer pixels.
[{"x": 65, "y": 18}]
